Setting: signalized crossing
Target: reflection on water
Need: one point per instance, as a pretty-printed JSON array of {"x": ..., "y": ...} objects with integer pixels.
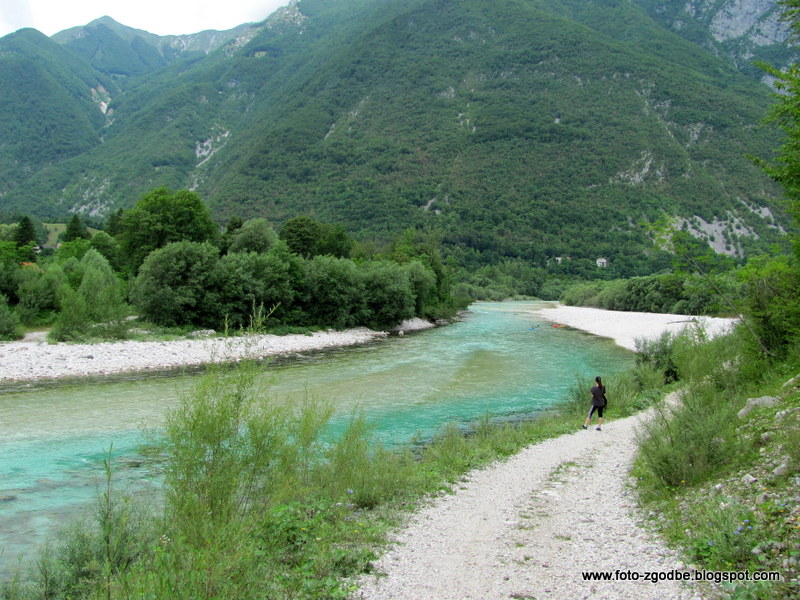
[{"x": 501, "y": 359}]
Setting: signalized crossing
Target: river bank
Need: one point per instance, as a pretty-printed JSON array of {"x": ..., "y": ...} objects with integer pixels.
[
  {"x": 34, "y": 359},
  {"x": 626, "y": 327}
]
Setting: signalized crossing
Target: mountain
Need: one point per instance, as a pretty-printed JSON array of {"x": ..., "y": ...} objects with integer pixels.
[
  {"x": 122, "y": 51},
  {"x": 517, "y": 128},
  {"x": 49, "y": 102}
]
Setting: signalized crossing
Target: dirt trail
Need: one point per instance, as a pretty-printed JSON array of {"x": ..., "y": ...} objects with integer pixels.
[{"x": 529, "y": 526}]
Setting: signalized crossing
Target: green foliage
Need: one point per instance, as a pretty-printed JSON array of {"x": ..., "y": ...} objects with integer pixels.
[
  {"x": 388, "y": 296},
  {"x": 75, "y": 230},
  {"x": 256, "y": 235},
  {"x": 249, "y": 280},
  {"x": 72, "y": 322},
  {"x": 75, "y": 249},
  {"x": 36, "y": 294},
  {"x": 187, "y": 283},
  {"x": 678, "y": 293},
  {"x": 178, "y": 284},
  {"x": 302, "y": 235},
  {"x": 772, "y": 305},
  {"x": 422, "y": 281},
  {"x": 693, "y": 442},
  {"x": 334, "y": 291},
  {"x": 9, "y": 321},
  {"x": 25, "y": 233},
  {"x": 108, "y": 247},
  {"x": 162, "y": 217},
  {"x": 90, "y": 298}
]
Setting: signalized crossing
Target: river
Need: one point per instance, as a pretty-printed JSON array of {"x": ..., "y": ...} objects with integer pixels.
[{"x": 501, "y": 359}]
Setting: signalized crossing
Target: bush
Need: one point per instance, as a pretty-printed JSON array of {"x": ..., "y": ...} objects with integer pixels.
[
  {"x": 249, "y": 281},
  {"x": 691, "y": 443},
  {"x": 72, "y": 322},
  {"x": 179, "y": 285},
  {"x": 772, "y": 305},
  {"x": 388, "y": 296},
  {"x": 9, "y": 321},
  {"x": 37, "y": 295},
  {"x": 255, "y": 235},
  {"x": 334, "y": 292}
]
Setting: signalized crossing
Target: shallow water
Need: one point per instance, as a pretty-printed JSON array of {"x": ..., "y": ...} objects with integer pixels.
[{"x": 501, "y": 359}]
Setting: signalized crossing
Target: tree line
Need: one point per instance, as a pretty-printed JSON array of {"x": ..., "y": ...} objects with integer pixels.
[{"x": 167, "y": 261}]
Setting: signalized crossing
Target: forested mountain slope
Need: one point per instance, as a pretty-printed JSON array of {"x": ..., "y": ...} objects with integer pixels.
[{"x": 516, "y": 128}]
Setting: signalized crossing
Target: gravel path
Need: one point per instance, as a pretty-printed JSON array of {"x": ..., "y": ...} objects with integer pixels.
[{"x": 529, "y": 526}]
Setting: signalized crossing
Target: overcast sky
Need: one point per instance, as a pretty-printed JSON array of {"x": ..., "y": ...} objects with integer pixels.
[{"x": 163, "y": 17}]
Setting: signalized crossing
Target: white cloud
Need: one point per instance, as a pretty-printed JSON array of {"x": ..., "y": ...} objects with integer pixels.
[{"x": 163, "y": 17}]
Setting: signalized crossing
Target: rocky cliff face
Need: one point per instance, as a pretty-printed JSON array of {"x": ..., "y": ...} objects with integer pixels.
[
  {"x": 745, "y": 30},
  {"x": 756, "y": 21}
]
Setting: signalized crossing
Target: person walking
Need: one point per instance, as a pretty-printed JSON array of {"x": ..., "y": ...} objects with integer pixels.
[{"x": 599, "y": 402}]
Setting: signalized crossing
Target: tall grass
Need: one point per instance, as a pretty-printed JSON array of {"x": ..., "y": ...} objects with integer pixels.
[{"x": 694, "y": 439}]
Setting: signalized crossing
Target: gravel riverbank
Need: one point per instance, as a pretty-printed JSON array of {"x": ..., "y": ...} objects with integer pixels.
[
  {"x": 626, "y": 327},
  {"x": 34, "y": 359}
]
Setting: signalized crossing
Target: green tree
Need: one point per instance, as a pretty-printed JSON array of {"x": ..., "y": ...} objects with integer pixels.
[
  {"x": 234, "y": 224},
  {"x": 179, "y": 284},
  {"x": 255, "y": 235},
  {"x": 302, "y": 235},
  {"x": 334, "y": 241},
  {"x": 334, "y": 292},
  {"x": 772, "y": 303},
  {"x": 160, "y": 218},
  {"x": 9, "y": 321},
  {"x": 25, "y": 235},
  {"x": 785, "y": 113},
  {"x": 108, "y": 247},
  {"x": 422, "y": 280},
  {"x": 387, "y": 294},
  {"x": 249, "y": 280},
  {"x": 101, "y": 289},
  {"x": 73, "y": 320},
  {"x": 74, "y": 249},
  {"x": 113, "y": 224},
  {"x": 36, "y": 295},
  {"x": 75, "y": 230}
]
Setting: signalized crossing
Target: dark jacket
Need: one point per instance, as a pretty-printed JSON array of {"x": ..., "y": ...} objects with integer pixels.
[{"x": 599, "y": 396}]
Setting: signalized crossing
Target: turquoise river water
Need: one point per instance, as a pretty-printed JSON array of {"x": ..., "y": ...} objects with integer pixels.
[{"x": 501, "y": 359}]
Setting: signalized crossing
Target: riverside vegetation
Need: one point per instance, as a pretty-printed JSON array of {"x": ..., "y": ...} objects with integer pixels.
[{"x": 168, "y": 259}]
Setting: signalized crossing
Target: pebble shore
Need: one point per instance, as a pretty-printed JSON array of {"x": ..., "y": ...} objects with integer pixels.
[{"x": 34, "y": 359}]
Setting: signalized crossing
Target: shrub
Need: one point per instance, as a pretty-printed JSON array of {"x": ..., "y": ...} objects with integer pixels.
[
  {"x": 334, "y": 292},
  {"x": 255, "y": 235},
  {"x": 250, "y": 280},
  {"x": 9, "y": 321},
  {"x": 689, "y": 443},
  {"x": 178, "y": 285},
  {"x": 388, "y": 295}
]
